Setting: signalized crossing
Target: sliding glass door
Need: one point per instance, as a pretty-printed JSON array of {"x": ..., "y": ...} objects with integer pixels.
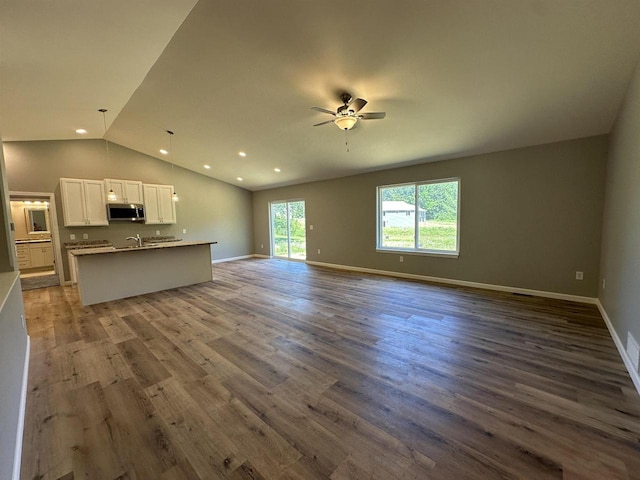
[{"x": 288, "y": 230}]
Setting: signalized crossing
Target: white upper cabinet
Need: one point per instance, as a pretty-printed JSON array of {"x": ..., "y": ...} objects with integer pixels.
[
  {"x": 159, "y": 206},
  {"x": 127, "y": 191},
  {"x": 83, "y": 202}
]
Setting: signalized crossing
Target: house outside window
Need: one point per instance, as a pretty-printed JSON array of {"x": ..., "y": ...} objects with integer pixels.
[{"x": 431, "y": 228}]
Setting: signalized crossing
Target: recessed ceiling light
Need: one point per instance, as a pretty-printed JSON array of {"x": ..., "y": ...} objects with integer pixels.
[
  {"x": 81, "y": 131},
  {"x": 163, "y": 151},
  {"x": 242, "y": 154},
  {"x": 239, "y": 179},
  {"x": 207, "y": 167},
  {"x": 277, "y": 170}
]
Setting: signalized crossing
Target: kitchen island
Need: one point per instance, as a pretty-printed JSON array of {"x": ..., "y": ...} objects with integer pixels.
[{"x": 111, "y": 273}]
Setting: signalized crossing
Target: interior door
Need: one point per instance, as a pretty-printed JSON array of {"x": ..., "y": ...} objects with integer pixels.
[{"x": 288, "y": 229}]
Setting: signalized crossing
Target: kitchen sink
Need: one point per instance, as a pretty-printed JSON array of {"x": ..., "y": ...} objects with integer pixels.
[{"x": 133, "y": 247}]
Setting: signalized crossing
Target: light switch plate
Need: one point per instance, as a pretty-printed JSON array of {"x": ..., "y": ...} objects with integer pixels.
[
  {"x": 72, "y": 236},
  {"x": 85, "y": 236}
]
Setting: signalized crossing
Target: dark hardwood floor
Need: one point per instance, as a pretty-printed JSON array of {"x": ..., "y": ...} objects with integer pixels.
[{"x": 282, "y": 370}]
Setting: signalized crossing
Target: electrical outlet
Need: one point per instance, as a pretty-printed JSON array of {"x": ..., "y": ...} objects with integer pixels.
[
  {"x": 85, "y": 236},
  {"x": 72, "y": 236},
  {"x": 579, "y": 276},
  {"x": 262, "y": 245},
  {"x": 401, "y": 259},
  {"x": 184, "y": 230},
  {"x": 604, "y": 283},
  {"x": 318, "y": 251}
]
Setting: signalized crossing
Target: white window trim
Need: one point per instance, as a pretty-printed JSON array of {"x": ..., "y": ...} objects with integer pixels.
[{"x": 417, "y": 251}]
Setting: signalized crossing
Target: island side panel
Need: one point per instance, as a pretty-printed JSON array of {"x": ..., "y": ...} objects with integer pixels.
[{"x": 121, "y": 274}]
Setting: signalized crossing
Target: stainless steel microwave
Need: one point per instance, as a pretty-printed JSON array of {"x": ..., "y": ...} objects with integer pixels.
[{"x": 125, "y": 212}]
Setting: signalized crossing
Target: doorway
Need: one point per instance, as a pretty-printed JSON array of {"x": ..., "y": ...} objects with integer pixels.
[
  {"x": 36, "y": 239},
  {"x": 288, "y": 229}
]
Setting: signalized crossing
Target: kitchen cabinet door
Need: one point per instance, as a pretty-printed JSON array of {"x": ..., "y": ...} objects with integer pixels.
[
  {"x": 151, "y": 205},
  {"x": 95, "y": 201},
  {"x": 41, "y": 255},
  {"x": 83, "y": 202},
  {"x": 159, "y": 206},
  {"x": 126, "y": 191},
  {"x": 133, "y": 191},
  {"x": 47, "y": 250},
  {"x": 73, "y": 204},
  {"x": 167, "y": 205}
]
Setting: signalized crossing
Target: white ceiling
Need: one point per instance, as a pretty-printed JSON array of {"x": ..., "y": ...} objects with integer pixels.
[{"x": 455, "y": 77}]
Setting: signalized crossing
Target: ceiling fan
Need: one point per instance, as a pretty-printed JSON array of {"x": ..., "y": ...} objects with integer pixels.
[{"x": 347, "y": 114}]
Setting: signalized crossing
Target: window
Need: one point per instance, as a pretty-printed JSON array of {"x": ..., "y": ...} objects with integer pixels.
[{"x": 431, "y": 228}]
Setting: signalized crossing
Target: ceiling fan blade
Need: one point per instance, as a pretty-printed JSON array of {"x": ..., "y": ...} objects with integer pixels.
[
  {"x": 323, "y": 123},
  {"x": 372, "y": 115},
  {"x": 357, "y": 104},
  {"x": 323, "y": 110}
]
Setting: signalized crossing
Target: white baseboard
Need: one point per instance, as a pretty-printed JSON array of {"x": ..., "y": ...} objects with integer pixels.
[
  {"x": 633, "y": 373},
  {"x": 17, "y": 459},
  {"x": 463, "y": 283},
  {"x": 259, "y": 255},
  {"x": 231, "y": 259}
]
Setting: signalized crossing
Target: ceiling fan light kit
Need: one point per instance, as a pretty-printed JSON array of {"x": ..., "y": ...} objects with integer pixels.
[
  {"x": 346, "y": 122},
  {"x": 346, "y": 116}
]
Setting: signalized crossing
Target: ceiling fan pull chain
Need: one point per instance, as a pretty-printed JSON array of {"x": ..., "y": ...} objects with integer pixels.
[{"x": 346, "y": 140}]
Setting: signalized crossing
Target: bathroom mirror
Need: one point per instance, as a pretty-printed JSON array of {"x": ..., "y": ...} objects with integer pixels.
[{"x": 37, "y": 220}]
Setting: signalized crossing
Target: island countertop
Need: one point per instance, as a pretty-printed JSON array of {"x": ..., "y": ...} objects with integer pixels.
[
  {"x": 103, "y": 277},
  {"x": 133, "y": 248}
]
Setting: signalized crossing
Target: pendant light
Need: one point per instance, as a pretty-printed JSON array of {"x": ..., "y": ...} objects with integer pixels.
[
  {"x": 111, "y": 196},
  {"x": 174, "y": 197}
]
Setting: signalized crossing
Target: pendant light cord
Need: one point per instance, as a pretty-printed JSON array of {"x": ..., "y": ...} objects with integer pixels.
[
  {"x": 171, "y": 150},
  {"x": 175, "y": 195},
  {"x": 111, "y": 196},
  {"x": 104, "y": 121}
]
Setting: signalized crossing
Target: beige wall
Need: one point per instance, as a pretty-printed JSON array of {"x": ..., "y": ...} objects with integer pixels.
[
  {"x": 530, "y": 218},
  {"x": 621, "y": 229},
  {"x": 19, "y": 216},
  {"x": 208, "y": 209}
]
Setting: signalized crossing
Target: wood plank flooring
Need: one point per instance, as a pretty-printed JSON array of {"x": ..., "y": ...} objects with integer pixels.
[{"x": 280, "y": 370}]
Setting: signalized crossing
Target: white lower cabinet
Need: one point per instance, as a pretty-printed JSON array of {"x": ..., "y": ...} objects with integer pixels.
[
  {"x": 159, "y": 206},
  {"x": 34, "y": 255},
  {"x": 41, "y": 255},
  {"x": 24, "y": 256}
]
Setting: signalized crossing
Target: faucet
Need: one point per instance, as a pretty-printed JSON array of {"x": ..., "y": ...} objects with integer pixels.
[{"x": 137, "y": 239}]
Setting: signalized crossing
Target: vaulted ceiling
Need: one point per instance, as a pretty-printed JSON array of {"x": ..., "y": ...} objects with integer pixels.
[{"x": 456, "y": 77}]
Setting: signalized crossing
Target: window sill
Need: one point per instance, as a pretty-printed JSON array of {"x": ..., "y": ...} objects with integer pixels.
[{"x": 423, "y": 253}]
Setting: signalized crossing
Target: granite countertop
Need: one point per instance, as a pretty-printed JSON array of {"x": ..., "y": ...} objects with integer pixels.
[
  {"x": 161, "y": 239},
  {"x": 111, "y": 249},
  {"x": 87, "y": 244}
]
